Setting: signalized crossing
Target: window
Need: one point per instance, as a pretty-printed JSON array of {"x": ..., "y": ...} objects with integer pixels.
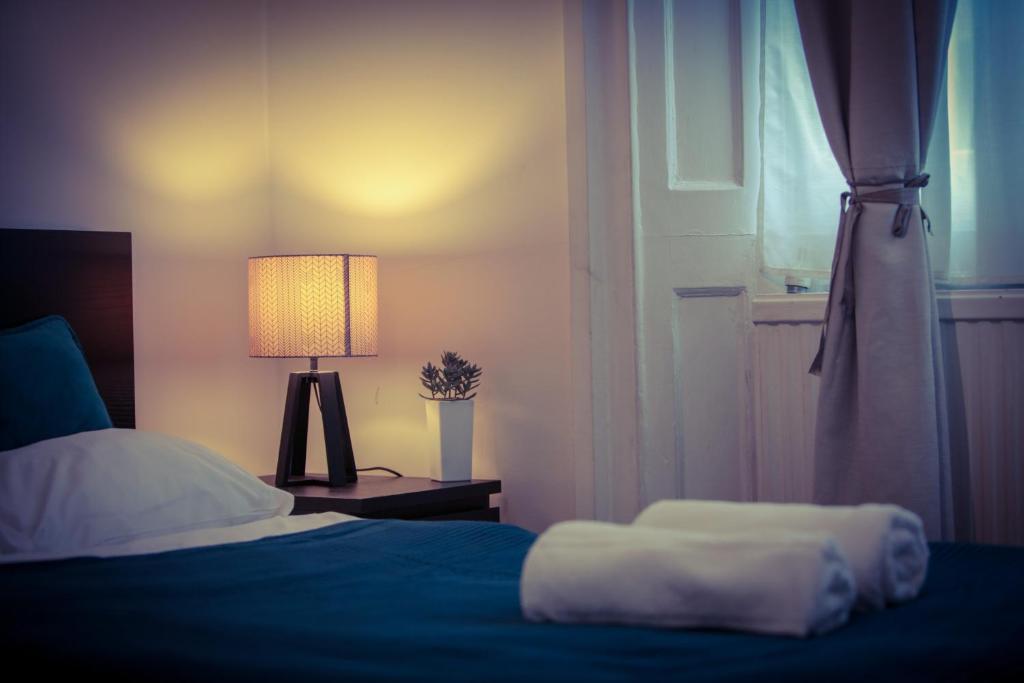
[{"x": 976, "y": 157}]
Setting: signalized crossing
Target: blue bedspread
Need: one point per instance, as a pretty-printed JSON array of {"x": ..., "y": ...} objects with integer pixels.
[{"x": 390, "y": 600}]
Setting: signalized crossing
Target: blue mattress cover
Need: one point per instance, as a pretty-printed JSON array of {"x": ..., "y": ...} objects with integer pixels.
[{"x": 392, "y": 600}]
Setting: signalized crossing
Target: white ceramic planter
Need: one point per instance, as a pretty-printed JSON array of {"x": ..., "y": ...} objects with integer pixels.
[{"x": 450, "y": 430}]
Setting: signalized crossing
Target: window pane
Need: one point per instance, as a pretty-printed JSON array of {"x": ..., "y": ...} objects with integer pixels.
[
  {"x": 986, "y": 140},
  {"x": 802, "y": 182}
]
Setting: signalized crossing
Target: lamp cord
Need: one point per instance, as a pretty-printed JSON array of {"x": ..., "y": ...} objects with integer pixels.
[
  {"x": 383, "y": 469},
  {"x": 316, "y": 392}
]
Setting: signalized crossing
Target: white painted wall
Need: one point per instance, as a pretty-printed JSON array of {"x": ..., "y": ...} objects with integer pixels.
[
  {"x": 434, "y": 135},
  {"x": 149, "y": 118},
  {"x": 431, "y": 134}
]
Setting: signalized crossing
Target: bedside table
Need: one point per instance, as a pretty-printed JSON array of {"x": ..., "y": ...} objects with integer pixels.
[{"x": 400, "y": 498}]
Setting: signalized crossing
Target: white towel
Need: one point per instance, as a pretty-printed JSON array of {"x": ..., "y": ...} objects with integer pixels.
[
  {"x": 884, "y": 544},
  {"x": 595, "y": 572}
]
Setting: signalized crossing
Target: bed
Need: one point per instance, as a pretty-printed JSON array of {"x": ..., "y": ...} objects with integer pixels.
[{"x": 318, "y": 598}]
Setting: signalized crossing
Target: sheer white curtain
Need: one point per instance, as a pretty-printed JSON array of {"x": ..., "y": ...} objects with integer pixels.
[
  {"x": 975, "y": 160},
  {"x": 802, "y": 182}
]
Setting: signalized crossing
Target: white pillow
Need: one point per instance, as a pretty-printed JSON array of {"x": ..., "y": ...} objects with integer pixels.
[{"x": 116, "y": 485}]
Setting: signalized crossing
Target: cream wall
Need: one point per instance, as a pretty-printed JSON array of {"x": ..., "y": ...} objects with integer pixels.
[
  {"x": 148, "y": 117},
  {"x": 431, "y": 134}
]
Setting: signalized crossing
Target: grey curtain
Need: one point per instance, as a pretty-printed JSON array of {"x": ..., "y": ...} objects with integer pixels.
[{"x": 882, "y": 434}]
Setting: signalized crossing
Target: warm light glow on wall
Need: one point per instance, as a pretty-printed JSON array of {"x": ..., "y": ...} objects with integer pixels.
[
  {"x": 150, "y": 116},
  {"x": 312, "y": 306},
  {"x": 185, "y": 139},
  {"x": 411, "y": 105},
  {"x": 391, "y": 153}
]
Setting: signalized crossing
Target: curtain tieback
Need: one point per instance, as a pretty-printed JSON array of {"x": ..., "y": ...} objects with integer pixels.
[{"x": 906, "y": 198}]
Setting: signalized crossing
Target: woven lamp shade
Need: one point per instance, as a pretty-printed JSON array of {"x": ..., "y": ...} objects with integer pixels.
[{"x": 312, "y": 306}]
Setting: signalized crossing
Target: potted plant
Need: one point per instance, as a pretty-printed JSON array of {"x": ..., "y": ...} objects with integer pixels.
[{"x": 452, "y": 386}]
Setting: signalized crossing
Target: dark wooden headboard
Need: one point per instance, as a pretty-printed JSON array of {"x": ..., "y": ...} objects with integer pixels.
[{"x": 85, "y": 276}]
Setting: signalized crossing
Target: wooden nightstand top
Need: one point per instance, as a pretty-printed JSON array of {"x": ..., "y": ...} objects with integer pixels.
[{"x": 378, "y": 495}]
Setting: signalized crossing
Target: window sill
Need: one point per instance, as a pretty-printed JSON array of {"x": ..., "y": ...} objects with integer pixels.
[{"x": 958, "y": 304}]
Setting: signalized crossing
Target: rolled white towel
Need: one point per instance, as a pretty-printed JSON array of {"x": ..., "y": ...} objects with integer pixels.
[
  {"x": 595, "y": 572},
  {"x": 885, "y": 544}
]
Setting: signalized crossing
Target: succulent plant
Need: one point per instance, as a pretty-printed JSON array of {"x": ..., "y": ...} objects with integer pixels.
[{"x": 453, "y": 380}]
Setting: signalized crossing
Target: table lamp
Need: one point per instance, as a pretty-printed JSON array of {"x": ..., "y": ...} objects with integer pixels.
[{"x": 313, "y": 306}]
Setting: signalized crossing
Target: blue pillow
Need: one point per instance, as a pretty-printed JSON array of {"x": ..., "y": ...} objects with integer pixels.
[{"x": 46, "y": 389}]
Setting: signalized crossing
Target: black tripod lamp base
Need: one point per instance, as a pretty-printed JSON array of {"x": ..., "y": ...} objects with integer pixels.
[{"x": 291, "y": 459}]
